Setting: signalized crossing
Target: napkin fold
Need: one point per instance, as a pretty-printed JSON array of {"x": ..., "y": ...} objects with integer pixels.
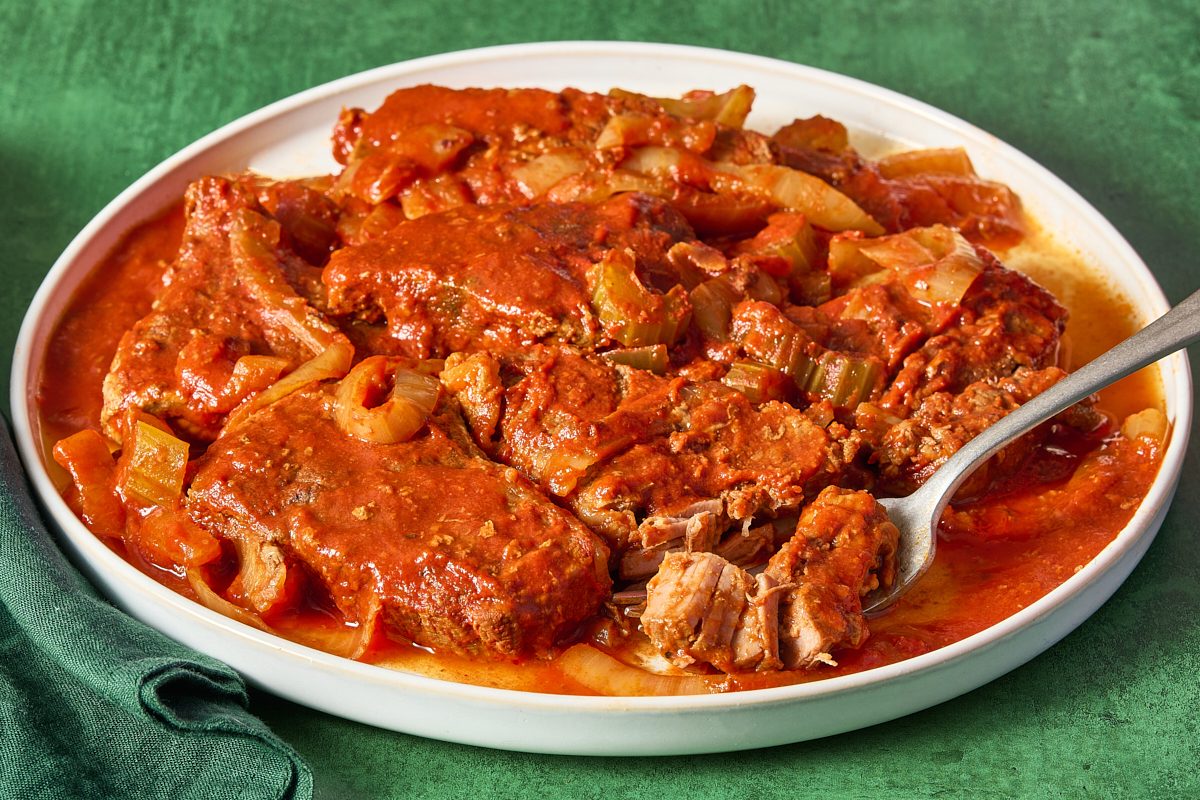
[{"x": 94, "y": 704}]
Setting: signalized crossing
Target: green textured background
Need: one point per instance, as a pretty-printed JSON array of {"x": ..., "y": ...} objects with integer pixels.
[{"x": 1105, "y": 94}]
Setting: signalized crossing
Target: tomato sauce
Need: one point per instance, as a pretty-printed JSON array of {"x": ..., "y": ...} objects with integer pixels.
[
  {"x": 1020, "y": 546},
  {"x": 612, "y": 350}
]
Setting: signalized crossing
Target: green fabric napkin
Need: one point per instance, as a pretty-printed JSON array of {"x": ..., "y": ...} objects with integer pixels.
[{"x": 93, "y": 704}]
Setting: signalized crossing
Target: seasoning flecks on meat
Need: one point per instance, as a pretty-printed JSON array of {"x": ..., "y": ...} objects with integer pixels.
[
  {"x": 497, "y": 278},
  {"x": 1007, "y": 321},
  {"x": 623, "y": 446},
  {"x": 463, "y": 554}
]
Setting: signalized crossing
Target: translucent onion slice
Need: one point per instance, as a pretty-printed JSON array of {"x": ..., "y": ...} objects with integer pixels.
[
  {"x": 425, "y": 196},
  {"x": 333, "y": 363},
  {"x": 729, "y": 108},
  {"x": 252, "y": 374},
  {"x": 349, "y": 640},
  {"x": 607, "y": 676},
  {"x": 624, "y": 130},
  {"x": 402, "y": 412},
  {"x": 943, "y": 160},
  {"x": 1149, "y": 423},
  {"x": 937, "y": 264},
  {"x": 535, "y": 178},
  {"x": 253, "y": 239},
  {"x": 792, "y": 189},
  {"x": 848, "y": 265},
  {"x": 712, "y": 308},
  {"x": 654, "y": 160},
  {"x": 214, "y": 602}
]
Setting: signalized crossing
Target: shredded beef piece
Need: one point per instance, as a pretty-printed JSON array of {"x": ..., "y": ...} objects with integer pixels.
[
  {"x": 844, "y": 548},
  {"x": 806, "y": 604},
  {"x": 701, "y": 608}
]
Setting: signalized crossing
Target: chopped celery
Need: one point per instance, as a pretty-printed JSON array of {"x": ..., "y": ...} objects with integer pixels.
[
  {"x": 759, "y": 382},
  {"x": 652, "y": 357},
  {"x": 844, "y": 380},
  {"x": 811, "y": 288},
  {"x": 631, "y": 313},
  {"x": 763, "y": 287},
  {"x": 789, "y": 236},
  {"x": 156, "y": 465},
  {"x": 767, "y": 336}
]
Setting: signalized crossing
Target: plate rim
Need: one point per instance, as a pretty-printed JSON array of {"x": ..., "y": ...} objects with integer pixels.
[{"x": 23, "y": 368}]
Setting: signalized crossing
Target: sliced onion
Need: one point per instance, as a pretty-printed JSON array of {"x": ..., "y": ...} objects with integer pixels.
[
  {"x": 1149, "y": 423},
  {"x": 848, "y": 265},
  {"x": 536, "y": 177},
  {"x": 594, "y": 187},
  {"x": 408, "y": 405},
  {"x": 624, "y": 130},
  {"x": 937, "y": 264},
  {"x": 944, "y": 160},
  {"x": 213, "y": 601},
  {"x": 605, "y": 675},
  {"x": 333, "y": 362},
  {"x": 655, "y": 160},
  {"x": 729, "y": 108},
  {"x": 712, "y": 308},
  {"x": 349, "y": 640},
  {"x": 792, "y": 189},
  {"x": 252, "y": 374},
  {"x": 252, "y": 239}
]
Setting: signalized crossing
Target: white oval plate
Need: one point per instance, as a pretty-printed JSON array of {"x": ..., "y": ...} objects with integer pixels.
[{"x": 291, "y": 138}]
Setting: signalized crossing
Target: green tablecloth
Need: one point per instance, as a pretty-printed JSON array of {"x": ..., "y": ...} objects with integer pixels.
[{"x": 1107, "y": 95}]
